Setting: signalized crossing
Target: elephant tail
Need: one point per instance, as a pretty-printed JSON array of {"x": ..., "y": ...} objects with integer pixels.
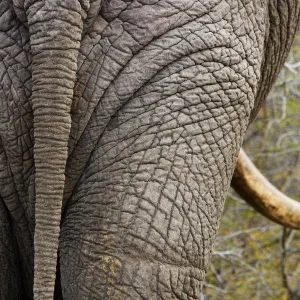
[{"x": 55, "y": 32}]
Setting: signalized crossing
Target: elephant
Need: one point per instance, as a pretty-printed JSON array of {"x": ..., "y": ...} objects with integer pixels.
[{"x": 120, "y": 126}]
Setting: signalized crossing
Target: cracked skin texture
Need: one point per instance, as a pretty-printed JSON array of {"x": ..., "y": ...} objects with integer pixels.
[{"x": 163, "y": 94}]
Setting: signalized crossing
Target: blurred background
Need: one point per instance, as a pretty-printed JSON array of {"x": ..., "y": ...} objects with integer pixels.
[{"x": 254, "y": 258}]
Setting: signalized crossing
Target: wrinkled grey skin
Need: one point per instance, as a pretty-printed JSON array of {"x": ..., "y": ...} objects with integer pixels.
[{"x": 142, "y": 105}]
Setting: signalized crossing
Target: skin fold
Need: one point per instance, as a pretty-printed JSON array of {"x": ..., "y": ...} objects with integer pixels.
[{"x": 120, "y": 125}]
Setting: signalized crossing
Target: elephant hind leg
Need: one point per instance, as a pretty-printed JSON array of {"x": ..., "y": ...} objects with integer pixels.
[{"x": 11, "y": 285}]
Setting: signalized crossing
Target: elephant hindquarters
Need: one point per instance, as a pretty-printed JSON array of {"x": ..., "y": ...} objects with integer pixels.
[
  {"x": 142, "y": 218},
  {"x": 144, "y": 215}
]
